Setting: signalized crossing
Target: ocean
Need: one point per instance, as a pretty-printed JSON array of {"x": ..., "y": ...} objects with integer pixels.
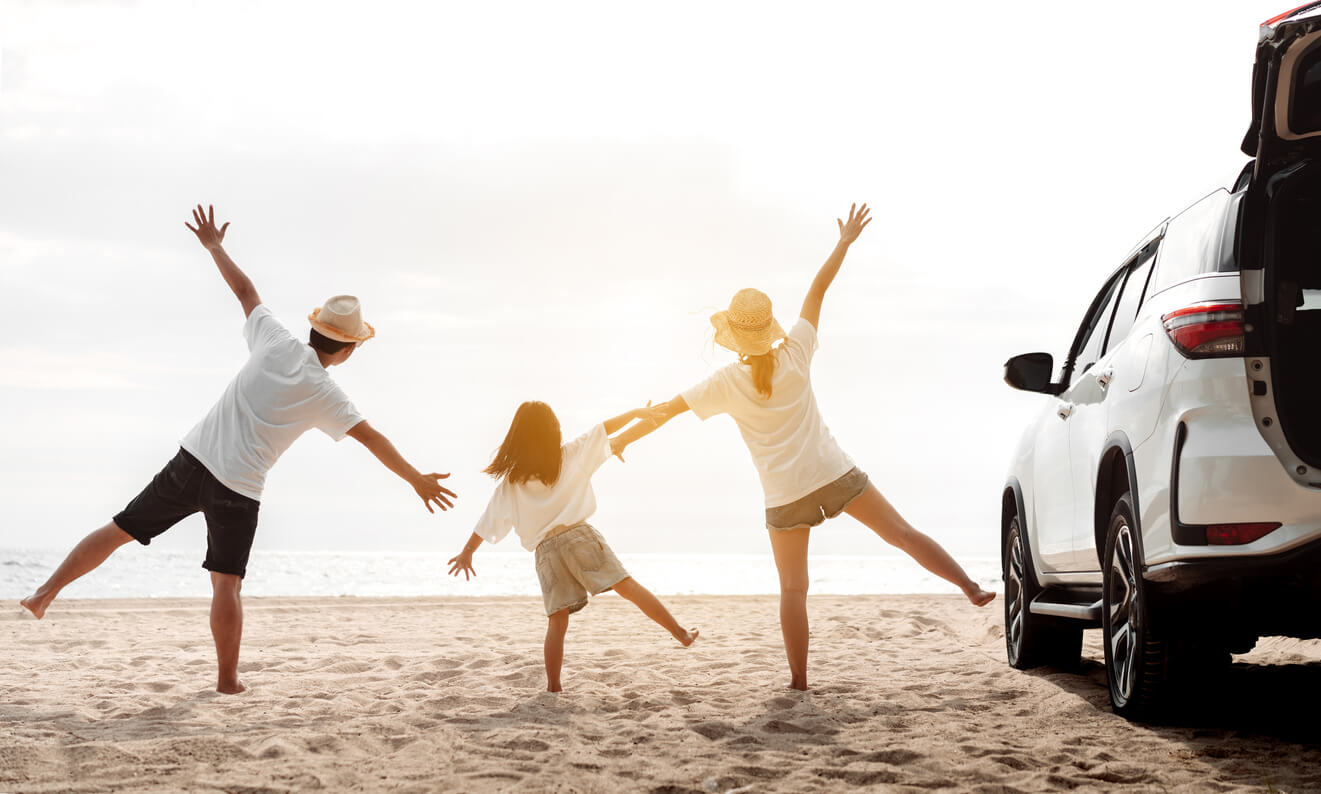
[{"x": 135, "y": 572}]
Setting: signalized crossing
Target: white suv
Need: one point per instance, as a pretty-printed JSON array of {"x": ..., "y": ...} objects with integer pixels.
[{"x": 1170, "y": 491}]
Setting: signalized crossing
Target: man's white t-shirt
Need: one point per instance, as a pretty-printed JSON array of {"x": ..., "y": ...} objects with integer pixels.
[
  {"x": 790, "y": 444},
  {"x": 533, "y": 508},
  {"x": 281, "y": 392}
]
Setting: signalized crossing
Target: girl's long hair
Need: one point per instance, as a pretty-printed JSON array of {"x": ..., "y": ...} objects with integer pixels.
[
  {"x": 763, "y": 369},
  {"x": 531, "y": 449}
]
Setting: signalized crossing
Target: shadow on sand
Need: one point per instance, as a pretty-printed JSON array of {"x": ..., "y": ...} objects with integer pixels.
[{"x": 1254, "y": 723}]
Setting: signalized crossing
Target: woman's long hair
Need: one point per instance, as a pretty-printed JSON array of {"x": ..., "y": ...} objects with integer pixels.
[
  {"x": 763, "y": 369},
  {"x": 531, "y": 449}
]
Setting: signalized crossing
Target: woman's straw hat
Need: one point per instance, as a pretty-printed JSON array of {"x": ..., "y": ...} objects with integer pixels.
[
  {"x": 341, "y": 319},
  {"x": 747, "y": 327}
]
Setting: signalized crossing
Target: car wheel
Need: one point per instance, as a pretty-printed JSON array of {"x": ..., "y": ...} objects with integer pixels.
[
  {"x": 1136, "y": 653},
  {"x": 1032, "y": 640}
]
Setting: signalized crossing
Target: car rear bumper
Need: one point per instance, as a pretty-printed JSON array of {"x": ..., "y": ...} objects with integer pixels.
[{"x": 1247, "y": 597}]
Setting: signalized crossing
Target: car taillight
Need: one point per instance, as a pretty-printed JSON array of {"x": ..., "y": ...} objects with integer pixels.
[
  {"x": 1207, "y": 330},
  {"x": 1238, "y": 534}
]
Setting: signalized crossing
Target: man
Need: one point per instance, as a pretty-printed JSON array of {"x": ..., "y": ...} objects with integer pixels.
[{"x": 281, "y": 392}]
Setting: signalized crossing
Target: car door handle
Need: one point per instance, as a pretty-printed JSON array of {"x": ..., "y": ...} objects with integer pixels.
[
  {"x": 1064, "y": 411},
  {"x": 1103, "y": 379}
]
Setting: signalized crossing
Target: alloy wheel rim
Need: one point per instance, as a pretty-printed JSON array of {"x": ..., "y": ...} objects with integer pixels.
[
  {"x": 1125, "y": 613},
  {"x": 1014, "y": 592}
]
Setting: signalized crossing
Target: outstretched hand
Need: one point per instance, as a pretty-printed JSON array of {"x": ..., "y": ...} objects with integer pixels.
[
  {"x": 207, "y": 234},
  {"x": 660, "y": 414},
  {"x": 646, "y": 416},
  {"x": 431, "y": 491},
  {"x": 617, "y": 447},
  {"x": 462, "y": 564},
  {"x": 858, "y": 220}
]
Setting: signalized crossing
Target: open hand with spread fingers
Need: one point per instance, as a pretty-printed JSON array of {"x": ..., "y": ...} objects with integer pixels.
[
  {"x": 207, "y": 234},
  {"x": 462, "y": 564},
  {"x": 432, "y": 491},
  {"x": 858, "y": 220}
]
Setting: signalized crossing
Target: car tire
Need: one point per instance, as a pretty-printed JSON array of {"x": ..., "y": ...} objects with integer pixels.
[
  {"x": 1136, "y": 652},
  {"x": 1032, "y": 640}
]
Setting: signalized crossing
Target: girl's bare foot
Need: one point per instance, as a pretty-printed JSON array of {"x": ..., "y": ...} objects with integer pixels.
[
  {"x": 978, "y": 596},
  {"x": 230, "y": 687},
  {"x": 37, "y": 606},
  {"x": 554, "y": 688},
  {"x": 688, "y": 637},
  {"x": 798, "y": 683}
]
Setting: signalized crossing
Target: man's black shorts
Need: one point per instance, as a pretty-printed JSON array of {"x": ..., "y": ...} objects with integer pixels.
[{"x": 182, "y": 488}]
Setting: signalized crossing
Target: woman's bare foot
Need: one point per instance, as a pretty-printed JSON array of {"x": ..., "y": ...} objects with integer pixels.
[
  {"x": 554, "y": 688},
  {"x": 798, "y": 683},
  {"x": 36, "y": 605},
  {"x": 687, "y": 637},
  {"x": 230, "y": 687},
  {"x": 978, "y": 596}
]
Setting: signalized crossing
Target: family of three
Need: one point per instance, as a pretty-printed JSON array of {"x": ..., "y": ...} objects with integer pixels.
[{"x": 544, "y": 492}]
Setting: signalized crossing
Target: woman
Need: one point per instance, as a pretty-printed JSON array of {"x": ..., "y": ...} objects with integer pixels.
[{"x": 805, "y": 475}]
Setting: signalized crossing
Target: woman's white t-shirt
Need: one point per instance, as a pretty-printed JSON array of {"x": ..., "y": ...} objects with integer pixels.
[
  {"x": 281, "y": 393},
  {"x": 534, "y": 508},
  {"x": 790, "y": 444}
]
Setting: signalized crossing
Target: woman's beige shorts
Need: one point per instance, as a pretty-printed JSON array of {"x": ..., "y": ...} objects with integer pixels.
[
  {"x": 573, "y": 563},
  {"x": 825, "y": 502}
]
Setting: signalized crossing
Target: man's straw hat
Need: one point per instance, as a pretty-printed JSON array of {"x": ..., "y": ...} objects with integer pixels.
[
  {"x": 341, "y": 319},
  {"x": 747, "y": 327}
]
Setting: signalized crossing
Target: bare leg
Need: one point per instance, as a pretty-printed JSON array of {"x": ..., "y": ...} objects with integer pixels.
[
  {"x": 90, "y": 552},
  {"x": 873, "y": 510},
  {"x": 227, "y": 629},
  {"x": 790, "y": 548},
  {"x": 556, "y": 627},
  {"x": 654, "y": 609}
]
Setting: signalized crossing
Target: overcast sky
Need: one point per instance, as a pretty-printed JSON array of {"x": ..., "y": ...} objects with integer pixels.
[{"x": 547, "y": 200}]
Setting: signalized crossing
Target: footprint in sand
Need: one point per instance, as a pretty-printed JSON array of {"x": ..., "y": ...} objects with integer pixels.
[
  {"x": 713, "y": 730},
  {"x": 858, "y": 777},
  {"x": 531, "y": 745},
  {"x": 681, "y": 698},
  {"x": 893, "y": 757},
  {"x": 784, "y": 726}
]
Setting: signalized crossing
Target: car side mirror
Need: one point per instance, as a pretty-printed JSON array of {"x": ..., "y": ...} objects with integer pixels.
[{"x": 1031, "y": 372}]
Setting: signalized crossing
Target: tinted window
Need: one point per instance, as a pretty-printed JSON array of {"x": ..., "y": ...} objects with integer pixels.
[
  {"x": 1130, "y": 299},
  {"x": 1094, "y": 330},
  {"x": 1305, "y": 104},
  {"x": 1200, "y": 240}
]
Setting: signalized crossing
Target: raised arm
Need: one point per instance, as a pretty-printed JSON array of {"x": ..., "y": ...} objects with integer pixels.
[
  {"x": 848, "y": 232},
  {"x": 211, "y": 238},
  {"x": 652, "y": 418},
  {"x": 426, "y": 485}
]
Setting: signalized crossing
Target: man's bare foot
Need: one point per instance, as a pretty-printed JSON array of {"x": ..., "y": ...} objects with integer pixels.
[
  {"x": 688, "y": 637},
  {"x": 230, "y": 687},
  {"x": 37, "y": 606},
  {"x": 978, "y": 596}
]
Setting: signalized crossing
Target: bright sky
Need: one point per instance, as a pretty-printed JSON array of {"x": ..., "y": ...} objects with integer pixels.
[{"x": 547, "y": 200}]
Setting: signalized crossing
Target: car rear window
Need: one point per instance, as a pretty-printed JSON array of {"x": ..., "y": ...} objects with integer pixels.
[{"x": 1199, "y": 240}]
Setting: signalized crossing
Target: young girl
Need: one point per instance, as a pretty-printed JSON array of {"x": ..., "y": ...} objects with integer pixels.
[
  {"x": 805, "y": 475},
  {"x": 546, "y": 496}
]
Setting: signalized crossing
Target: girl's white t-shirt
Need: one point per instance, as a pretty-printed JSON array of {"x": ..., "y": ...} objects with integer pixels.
[
  {"x": 790, "y": 444},
  {"x": 533, "y": 508},
  {"x": 281, "y": 393}
]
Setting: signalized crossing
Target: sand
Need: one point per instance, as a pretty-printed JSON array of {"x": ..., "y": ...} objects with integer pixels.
[{"x": 444, "y": 694}]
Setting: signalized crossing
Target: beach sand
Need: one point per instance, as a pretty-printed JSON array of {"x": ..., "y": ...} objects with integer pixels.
[{"x": 426, "y": 694}]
